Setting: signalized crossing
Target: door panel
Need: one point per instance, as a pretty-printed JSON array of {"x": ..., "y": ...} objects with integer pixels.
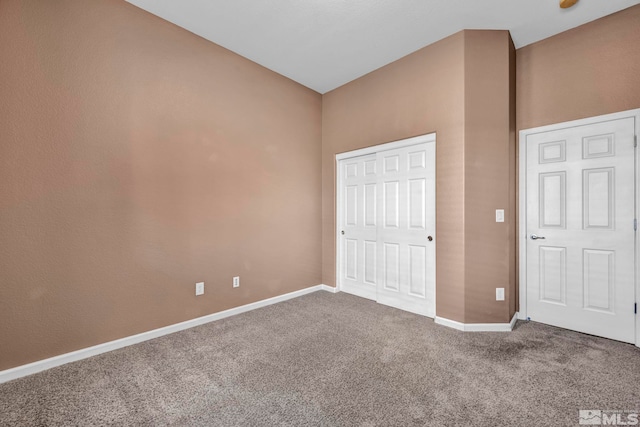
[
  {"x": 409, "y": 219},
  {"x": 599, "y": 279},
  {"x": 417, "y": 271},
  {"x": 351, "y": 253},
  {"x": 597, "y": 200},
  {"x": 553, "y": 200},
  {"x": 580, "y": 185},
  {"x": 553, "y": 274},
  {"x": 358, "y": 244},
  {"x": 351, "y": 203},
  {"x": 370, "y": 262},
  {"x": 417, "y": 195},
  {"x": 370, "y": 200},
  {"x": 391, "y": 204},
  {"x": 391, "y": 266}
]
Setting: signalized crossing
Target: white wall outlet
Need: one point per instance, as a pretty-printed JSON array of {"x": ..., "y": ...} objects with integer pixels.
[
  {"x": 199, "y": 288},
  {"x": 499, "y": 215},
  {"x": 499, "y": 294},
  {"x": 236, "y": 281}
]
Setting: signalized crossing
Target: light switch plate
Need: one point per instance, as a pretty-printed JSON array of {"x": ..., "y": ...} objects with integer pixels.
[
  {"x": 499, "y": 294},
  {"x": 499, "y": 215}
]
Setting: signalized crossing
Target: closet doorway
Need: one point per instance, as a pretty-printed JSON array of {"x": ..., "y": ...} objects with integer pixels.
[{"x": 386, "y": 224}]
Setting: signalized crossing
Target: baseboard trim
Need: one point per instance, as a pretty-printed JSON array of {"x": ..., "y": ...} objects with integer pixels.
[
  {"x": 514, "y": 319},
  {"x": 478, "y": 327},
  {"x": 52, "y": 362},
  {"x": 332, "y": 289},
  {"x": 449, "y": 323}
]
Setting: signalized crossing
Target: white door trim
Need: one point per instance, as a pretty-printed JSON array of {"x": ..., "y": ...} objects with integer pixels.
[
  {"x": 522, "y": 224},
  {"x": 431, "y": 137}
]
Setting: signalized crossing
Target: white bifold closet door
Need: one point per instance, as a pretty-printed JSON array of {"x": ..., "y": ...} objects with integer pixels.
[{"x": 387, "y": 230}]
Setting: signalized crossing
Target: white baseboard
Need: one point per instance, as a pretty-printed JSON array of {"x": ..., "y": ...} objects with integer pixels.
[
  {"x": 478, "y": 327},
  {"x": 332, "y": 289},
  {"x": 514, "y": 319},
  {"x": 449, "y": 323},
  {"x": 42, "y": 365}
]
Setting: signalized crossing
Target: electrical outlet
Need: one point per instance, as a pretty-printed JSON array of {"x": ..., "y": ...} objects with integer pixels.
[
  {"x": 199, "y": 288},
  {"x": 499, "y": 294},
  {"x": 236, "y": 281}
]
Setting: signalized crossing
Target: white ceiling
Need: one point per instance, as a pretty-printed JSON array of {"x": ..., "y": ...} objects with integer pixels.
[{"x": 324, "y": 44}]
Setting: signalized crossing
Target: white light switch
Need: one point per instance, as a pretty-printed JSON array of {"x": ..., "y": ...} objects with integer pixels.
[
  {"x": 499, "y": 294},
  {"x": 499, "y": 215}
]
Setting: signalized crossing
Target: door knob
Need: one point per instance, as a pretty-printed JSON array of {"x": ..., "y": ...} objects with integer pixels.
[
  {"x": 430, "y": 238},
  {"x": 342, "y": 232},
  {"x": 536, "y": 237}
]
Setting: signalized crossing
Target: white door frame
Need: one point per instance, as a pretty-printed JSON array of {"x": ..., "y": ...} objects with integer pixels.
[
  {"x": 430, "y": 137},
  {"x": 522, "y": 225}
]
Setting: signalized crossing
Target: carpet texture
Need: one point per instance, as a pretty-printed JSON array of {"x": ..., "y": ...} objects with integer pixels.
[{"x": 335, "y": 360}]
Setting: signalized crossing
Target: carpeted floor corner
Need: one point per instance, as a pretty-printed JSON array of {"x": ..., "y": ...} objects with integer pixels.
[{"x": 334, "y": 360}]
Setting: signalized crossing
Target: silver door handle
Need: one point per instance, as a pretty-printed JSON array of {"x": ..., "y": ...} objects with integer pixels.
[{"x": 536, "y": 237}]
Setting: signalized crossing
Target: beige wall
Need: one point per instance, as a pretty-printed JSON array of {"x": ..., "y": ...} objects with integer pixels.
[
  {"x": 588, "y": 71},
  {"x": 459, "y": 88},
  {"x": 418, "y": 94},
  {"x": 489, "y": 177},
  {"x": 136, "y": 159}
]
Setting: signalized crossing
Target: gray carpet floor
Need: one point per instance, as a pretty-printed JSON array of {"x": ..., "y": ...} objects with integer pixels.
[{"x": 335, "y": 360}]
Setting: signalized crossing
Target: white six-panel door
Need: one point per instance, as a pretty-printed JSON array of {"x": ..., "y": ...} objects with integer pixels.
[
  {"x": 387, "y": 227},
  {"x": 359, "y": 229},
  {"x": 580, "y": 238}
]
